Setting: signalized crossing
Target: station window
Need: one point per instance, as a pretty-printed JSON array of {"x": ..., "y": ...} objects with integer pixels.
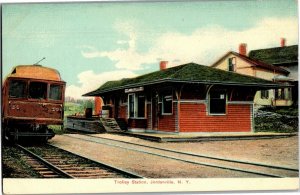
[
  {"x": 136, "y": 105},
  {"x": 17, "y": 89},
  {"x": 55, "y": 92},
  {"x": 141, "y": 106},
  {"x": 131, "y": 105},
  {"x": 38, "y": 90},
  {"x": 167, "y": 104},
  {"x": 217, "y": 102}
]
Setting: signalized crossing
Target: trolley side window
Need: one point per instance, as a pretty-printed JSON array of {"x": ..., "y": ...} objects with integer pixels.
[
  {"x": 17, "y": 89},
  {"x": 37, "y": 90},
  {"x": 55, "y": 92}
]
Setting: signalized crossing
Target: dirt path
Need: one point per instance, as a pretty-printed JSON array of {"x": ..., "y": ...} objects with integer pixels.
[{"x": 282, "y": 152}]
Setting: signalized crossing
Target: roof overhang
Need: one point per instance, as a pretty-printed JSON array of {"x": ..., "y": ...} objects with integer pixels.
[{"x": 205, "y": 82}]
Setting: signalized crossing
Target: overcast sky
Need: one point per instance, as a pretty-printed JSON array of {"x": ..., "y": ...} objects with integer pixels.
[{"x": 91, "y": 43}]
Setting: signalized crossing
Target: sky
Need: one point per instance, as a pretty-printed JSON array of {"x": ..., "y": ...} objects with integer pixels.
[{"x": 91, "y": 43}]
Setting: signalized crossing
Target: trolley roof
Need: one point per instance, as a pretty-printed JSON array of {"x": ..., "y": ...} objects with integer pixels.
[{"x": 35, "y": 72}]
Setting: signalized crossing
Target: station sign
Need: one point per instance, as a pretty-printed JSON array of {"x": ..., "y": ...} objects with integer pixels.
[{"x": 136, "y": 89}]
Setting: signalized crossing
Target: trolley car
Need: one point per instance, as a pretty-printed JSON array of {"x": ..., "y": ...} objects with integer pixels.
[{"x": 32, "y": 99}]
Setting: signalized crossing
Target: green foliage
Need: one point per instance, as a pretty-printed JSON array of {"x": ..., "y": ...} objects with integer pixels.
[
  {"x": 57, "y": 129},
  {"x": 14, "y": 166},
  {"x": 280, "y": 120},
  {"x": 88, "y": 104},
  {"x": 290, "y": 111},
  {"x": 71, "y": 108}
]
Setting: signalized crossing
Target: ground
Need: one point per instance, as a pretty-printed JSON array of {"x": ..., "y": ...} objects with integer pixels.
[{"x": 281, "y": 152}]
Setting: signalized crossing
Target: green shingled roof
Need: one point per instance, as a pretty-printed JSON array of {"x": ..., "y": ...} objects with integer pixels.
[
  {"x": 188, "y": 73},
  {"x": 277, "y": 55}
]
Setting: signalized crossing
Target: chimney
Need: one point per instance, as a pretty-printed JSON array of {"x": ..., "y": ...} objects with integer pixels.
[
  {"x": 243, "y": 49},
  {"x": 282, "y": 42},
  {"x": 163, "y": 65}
]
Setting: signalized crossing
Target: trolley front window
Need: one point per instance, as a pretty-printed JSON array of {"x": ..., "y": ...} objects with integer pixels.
[
  {"x": 55, "y": 92},
  {"x": 17, "y": 89},
  {"x": 37, "y": 90}
]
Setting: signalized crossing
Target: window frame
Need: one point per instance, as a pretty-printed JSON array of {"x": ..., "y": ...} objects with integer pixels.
[
  {"x": 129, "y": 105},
  {"x": 209, "y": 102},
  {"x": 46, "y": 93},
  {"x": 49, "y": 91},
  {"x": 282, "y": 94},
  {"x": 135, "y": 106},
  {"x": 163, "y": 105},
  {"x": 25, "y": 89},
  {"x": 233, "y": 64}
]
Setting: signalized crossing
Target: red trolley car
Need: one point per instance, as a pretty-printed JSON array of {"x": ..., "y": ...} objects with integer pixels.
[{"x": 32, "y": 99}]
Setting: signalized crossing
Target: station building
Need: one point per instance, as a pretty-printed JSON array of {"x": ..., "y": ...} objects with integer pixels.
[{"x": 185, "y": 98}]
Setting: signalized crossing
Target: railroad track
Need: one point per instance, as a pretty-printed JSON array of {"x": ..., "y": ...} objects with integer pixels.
[
  {"x": 52, "y": 162},
  {"x": 255, "y": 168}
]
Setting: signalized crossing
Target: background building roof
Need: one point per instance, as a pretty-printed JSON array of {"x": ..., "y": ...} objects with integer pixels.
[
  {"x": 276, "y": 55},
  {"x": 253, "y": 62}
]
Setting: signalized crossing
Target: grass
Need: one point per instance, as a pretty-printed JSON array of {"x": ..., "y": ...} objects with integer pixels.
[
  {"x": 13, "y": 165},
  {"x": 69, "y": 109},
  {"x": 73, "y": 108}
]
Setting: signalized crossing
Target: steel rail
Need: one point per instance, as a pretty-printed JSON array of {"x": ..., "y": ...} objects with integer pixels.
[
  {"x": 118, "y": 170},
  {"x": 183, "y": 160},
  {"x": 204, "y": 156},
  {"x": 45, "y": 162}
]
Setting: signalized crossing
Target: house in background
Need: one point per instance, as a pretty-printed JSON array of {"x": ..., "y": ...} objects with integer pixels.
[
  {"x": 242, "y": 64},
  {"x": 285, "y": 57},
  {"x": 185, "y": 98}
]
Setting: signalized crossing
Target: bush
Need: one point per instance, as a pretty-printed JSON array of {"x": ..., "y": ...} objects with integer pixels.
[{"x": 281, "y": 120}]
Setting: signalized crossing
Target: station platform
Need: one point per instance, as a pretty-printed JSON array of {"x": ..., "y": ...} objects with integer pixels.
[{"x": 207, "y": 136}]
